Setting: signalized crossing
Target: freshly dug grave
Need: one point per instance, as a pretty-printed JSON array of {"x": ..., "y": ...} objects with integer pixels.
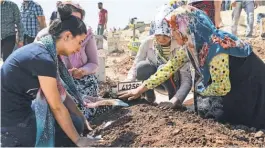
[{"x": 147, "y": 125}]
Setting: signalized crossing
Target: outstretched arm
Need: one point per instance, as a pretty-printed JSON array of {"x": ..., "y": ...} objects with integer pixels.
[{"x": 168, "y": 70}]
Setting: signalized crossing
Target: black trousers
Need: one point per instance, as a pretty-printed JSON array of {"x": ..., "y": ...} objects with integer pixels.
[
  {"x": 24, "y": 134},
  {"x": 7, "y": 46},
  {"x": 28, "y": 39},
  {"x": 180, "y": 85}
]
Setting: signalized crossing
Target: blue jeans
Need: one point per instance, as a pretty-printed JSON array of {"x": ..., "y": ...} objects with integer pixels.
[
  {"x": 248, "y": 6},
  {"x": 100, "y": 30},
  {"x": 226, "y": 5}
]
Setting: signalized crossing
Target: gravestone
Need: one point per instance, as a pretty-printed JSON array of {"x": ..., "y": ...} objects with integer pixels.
[
  {"x": 99, "y": 41},
  {"x": 101, "y": 72},
  {"x": 113, "y": 44}
]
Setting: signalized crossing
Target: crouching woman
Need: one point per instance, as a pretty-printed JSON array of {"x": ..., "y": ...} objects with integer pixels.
[{"x": 36, "y": 73}]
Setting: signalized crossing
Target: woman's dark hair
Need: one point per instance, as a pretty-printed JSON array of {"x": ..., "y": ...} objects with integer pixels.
[
  {"x": 67, "y": 22},
  {"x": 74, "y": 9}
]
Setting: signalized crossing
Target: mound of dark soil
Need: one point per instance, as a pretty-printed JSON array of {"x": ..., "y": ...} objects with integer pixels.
[{"x": 147, "y": 125}]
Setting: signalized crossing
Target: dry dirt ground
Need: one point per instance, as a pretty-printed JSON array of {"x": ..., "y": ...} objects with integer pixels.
[{"x": 147, "y": 125}]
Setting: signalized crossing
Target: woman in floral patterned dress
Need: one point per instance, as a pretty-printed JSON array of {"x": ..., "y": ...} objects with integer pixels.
[{"x": 231, "y": 76}]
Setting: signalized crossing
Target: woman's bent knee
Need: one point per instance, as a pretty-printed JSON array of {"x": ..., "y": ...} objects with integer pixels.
[{"x": 144, "y": 70}]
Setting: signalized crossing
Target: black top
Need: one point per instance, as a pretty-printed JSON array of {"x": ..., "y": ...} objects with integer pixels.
[{"x": 20, "y": 84}]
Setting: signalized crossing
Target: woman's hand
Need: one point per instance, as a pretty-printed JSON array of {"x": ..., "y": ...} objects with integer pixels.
[
  {"x": 166, "y": 105},
  {"x": 104, "y": 102},
  {"x": 77, "y": 73},
  {"x": 174, "y": 103},
  {"x": 133, "y": 94},
  {"x": 87, "y": 141},
  {"x": 130, "y": 94},
  {"x": 112, "y": 102}
]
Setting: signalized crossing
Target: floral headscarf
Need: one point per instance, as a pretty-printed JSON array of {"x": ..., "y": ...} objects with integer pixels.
[
  {"x": 160, "y": 26},
  {"x": 202, "y": 39},
  {"x": 189, "y": 23}
]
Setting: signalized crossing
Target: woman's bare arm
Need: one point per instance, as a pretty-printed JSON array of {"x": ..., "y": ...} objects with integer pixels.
[
  {"x": 60, "y": 112},
  {"x": 217, "y": 17}
]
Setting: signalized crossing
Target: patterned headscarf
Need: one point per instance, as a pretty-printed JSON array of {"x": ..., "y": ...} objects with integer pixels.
[{"x": 160, "y": 26}]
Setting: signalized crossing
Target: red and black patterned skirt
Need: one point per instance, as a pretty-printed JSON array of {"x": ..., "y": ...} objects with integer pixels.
[{"x": 207, "y": 7}]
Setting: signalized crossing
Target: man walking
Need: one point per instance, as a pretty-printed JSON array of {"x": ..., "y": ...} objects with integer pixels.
[
  {"x": 103, "y": 19},
  {"x": 248, "y": 6},
  {"x": 33, "y": 20},
  {"x": 10, "y": 20},
  {"x": 55, "y": 14}
]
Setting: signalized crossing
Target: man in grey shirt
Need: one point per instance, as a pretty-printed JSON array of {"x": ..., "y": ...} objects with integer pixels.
[{"x": 10, "y": 21}]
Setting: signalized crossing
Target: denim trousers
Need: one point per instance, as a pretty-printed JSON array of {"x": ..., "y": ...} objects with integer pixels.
[{"x": 248, "y": 6}]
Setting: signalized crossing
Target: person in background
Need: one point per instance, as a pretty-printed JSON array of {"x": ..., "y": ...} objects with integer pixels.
[
  {"x": 261, "y": 22},
  {"x": 36, "y": 73},
  {"x": 211, "y": 8},
  {"x": 230, "y": 89},
  {"x": 103, "y": 19},
  {"x": 152, "y": 25},
  {"x": 226, "y": 5},
  {"x": 33, "y": 20},
  {"x": 176, "y": 3},
  {"x": 10, "y": 18},
  {"x": 260, "y": 16},
  {"x": 248, "y": 6},
  {"x": 55, "y": 14},
  {"x": 77, "y": 11}
]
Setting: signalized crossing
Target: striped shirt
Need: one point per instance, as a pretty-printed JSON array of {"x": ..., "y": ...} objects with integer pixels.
[
  {"x": 10, "y": 20},
  {"x": 30, "y": 10},
  {"x": 164, "y": 52}
]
